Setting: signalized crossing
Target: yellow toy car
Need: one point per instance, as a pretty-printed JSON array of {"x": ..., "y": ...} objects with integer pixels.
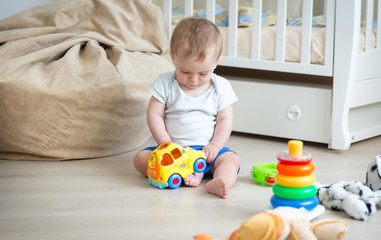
[{"x": 169, "y": 163}]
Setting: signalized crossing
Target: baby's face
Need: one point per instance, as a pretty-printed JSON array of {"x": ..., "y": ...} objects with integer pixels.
[{"x": 192, "y": 73}]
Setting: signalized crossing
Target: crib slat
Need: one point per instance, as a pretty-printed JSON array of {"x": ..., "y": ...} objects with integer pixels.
[
  {"x": 369, "y": 20},
  {"x": 378, "y": 36},
  {"x": 210, "y": 10},
  {"x": 329, "y": 37},
  {"x": 256, "y": 29},
  {"x": 281, "y": 30},
  {"x": 167, "y": 11},
  {"x": 306, "y": 32},
  {"x": 232, "y": 31},
  {"x": 188, "y": 8}
]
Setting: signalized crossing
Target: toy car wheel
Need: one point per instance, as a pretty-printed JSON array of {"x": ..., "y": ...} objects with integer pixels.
[
  {"x": 174, "y": 181},
  {"x": 199, "y": 165}
]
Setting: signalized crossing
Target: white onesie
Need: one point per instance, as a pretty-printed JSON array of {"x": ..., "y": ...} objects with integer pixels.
[{"x": 191, "y": 120}]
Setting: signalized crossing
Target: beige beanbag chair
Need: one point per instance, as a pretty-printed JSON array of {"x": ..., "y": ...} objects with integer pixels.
[{"x": 73, "y": 78}]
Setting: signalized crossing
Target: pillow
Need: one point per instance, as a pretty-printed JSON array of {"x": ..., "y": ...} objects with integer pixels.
[
  {"x": 73, "y": 78},
  {"x": 245, "y": 17}
]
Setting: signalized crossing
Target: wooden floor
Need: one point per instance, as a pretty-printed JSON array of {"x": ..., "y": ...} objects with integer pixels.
[{"x": 106, "y": 198}]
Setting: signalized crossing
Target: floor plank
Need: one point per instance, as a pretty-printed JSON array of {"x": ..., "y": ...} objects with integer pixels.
[{"x": 106, "y": 198}]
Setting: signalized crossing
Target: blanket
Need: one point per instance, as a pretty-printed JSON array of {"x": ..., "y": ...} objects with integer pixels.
[
  {"x": 73, "y": 78},
  {"x": 245, "y": 17}
]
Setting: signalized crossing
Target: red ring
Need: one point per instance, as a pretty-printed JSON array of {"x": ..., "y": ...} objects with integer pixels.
[{"x": 295, "y": 170}]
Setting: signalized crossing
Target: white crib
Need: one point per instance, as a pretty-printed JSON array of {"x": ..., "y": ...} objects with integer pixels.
[{"x": 278, "y": 100}]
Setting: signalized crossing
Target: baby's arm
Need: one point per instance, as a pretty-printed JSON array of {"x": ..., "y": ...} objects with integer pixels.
[
  {"x": 155, "y": 120},
  {"x": 221, "y": 135}
]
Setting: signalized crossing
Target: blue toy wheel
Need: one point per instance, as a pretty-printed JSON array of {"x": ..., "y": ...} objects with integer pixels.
[
  {"x": 174, "y": 181},
  {"x": 199, "y": 165}
]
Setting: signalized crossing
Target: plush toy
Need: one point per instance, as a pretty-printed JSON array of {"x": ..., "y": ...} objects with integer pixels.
[
  {"x": 357, "y": 199},
  {"x": 373, "y": 175},
  {"x": 285, "y": 223}
]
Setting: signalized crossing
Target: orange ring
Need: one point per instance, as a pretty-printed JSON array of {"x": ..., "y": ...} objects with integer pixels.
[
  {"x": 295, "y": 170},
  {"x": 295, "y": 182}
]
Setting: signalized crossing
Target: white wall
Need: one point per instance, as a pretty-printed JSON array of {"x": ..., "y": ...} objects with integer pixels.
[{"x": 11, "y": 7}]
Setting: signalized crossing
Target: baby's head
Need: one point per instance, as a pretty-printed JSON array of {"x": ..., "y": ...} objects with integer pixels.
[
  {"x": 193, "y": 37},
  {"x": 196, "y": 47}
]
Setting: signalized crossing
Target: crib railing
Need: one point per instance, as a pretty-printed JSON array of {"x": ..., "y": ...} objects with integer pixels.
[
  {"x": 370, "y": 6},
  {"x": 279, "y": 64},
  {"x": 379, "y": 25}
]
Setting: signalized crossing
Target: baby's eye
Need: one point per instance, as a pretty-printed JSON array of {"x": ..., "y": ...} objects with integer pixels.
[
  {"x": 203, "y": 74},
  {"x": 184, "y": 72}
]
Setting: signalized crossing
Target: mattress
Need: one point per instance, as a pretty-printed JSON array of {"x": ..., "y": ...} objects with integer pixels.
[
  {"x": 268, "y": 43},
  {"x": 292, "y": 43}
]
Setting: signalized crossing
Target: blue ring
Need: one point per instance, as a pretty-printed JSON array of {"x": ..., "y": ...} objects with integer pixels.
[{"x": 309, "y": 203}]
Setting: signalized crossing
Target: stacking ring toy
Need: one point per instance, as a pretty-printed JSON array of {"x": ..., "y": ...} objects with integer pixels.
[
  {"x": 294, "y": 193},
  {"x": 295, "y": 182},
  {"x": 309, "y": 203},
  {"x": 295, "y": 170}
]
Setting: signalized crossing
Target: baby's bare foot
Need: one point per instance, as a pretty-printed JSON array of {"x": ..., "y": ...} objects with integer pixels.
[
  {"x": 194, "y": 179},
  {"x": 218, "y": 187}
]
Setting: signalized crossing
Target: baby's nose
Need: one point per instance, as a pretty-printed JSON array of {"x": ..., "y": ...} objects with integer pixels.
[{"x": 193, "y": 78}]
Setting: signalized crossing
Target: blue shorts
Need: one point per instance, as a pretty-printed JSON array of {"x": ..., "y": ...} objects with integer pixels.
[{"x": 200, "y": 147}]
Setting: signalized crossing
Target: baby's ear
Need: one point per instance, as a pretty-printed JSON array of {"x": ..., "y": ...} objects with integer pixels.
[{"x": 330, "y": 229}]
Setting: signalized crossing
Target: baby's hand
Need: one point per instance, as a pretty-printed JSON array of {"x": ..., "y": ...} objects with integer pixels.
[{"x": 211, "y": 152}]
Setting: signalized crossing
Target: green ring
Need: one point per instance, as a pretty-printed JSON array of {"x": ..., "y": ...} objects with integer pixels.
[{"x": 294, "y": 193}]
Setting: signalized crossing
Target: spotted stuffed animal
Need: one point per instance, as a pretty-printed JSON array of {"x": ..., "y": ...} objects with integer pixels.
[
  {"x": 373, "y": 175},
  {"x": 357, "y": 199}
]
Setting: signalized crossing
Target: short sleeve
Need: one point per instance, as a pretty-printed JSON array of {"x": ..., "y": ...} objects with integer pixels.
[
  {"x": 160, "y": 87},
  {"x": 225, "y": 92}
]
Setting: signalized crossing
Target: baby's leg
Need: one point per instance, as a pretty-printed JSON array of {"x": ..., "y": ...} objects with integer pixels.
[
  {"x": 224, "y": 175},
  {"x": 140, "y": 161}
]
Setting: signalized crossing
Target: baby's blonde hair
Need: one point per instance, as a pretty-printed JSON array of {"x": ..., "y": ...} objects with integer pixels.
[{"x": 196, "y": 35}]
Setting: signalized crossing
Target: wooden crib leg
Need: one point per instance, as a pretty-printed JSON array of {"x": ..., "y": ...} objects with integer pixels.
[
  {"x": 340, "y": 137},
  {"x": 347, "y": 29}
]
